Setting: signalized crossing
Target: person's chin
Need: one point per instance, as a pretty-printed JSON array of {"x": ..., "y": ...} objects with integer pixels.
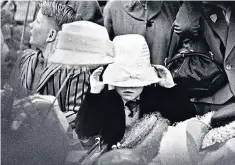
[
  {"x": 128, "y": 97},
  {"x": 34, "y": 43}
]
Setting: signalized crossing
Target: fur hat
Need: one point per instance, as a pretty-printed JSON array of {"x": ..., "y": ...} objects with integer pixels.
[
  {"x": 82, "y": 43},
  {"x": 131, "y": 67}
]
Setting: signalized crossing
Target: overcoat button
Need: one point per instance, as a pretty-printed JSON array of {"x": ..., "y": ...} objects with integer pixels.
[{"x": 228, "y": 67}]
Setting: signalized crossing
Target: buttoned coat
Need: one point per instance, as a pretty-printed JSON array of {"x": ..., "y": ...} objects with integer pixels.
[
  {"x": 214, "y": 31},
  {"x": 154, "y": 23}
]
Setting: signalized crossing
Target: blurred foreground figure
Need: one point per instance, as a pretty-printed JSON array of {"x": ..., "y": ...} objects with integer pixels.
[
  {"x": 33, "y": 132},
  {"x": 12, "y": 30},
  {"x": 195, "y": 142},
  {"x": 13, "y": 14},
  {"x": 4, "y": 64},
  {"x": 33, "y": 129}
]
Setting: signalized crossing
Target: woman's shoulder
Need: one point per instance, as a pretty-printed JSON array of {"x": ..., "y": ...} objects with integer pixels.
[{"x": 113, "y": 4}]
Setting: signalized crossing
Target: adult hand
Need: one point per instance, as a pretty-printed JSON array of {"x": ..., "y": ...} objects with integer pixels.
[
  {"x": 166, "y": 79},
  {"x": 96, "y": 85},
  {"x": 117, "y": 146},
  {"x": 178, "y": 29},
  {"x": 187, "y": 22},
  {"x": 27, "y": 111}
]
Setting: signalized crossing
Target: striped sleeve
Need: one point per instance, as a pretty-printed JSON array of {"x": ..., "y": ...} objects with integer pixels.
[
  {"x": 72, "y": 94},
  {"x": 76, "y": 91},
  {"x": 30, "y": 69}
]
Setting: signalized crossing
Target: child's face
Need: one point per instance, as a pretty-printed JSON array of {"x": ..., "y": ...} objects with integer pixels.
[{"x": 129, "y": 93}]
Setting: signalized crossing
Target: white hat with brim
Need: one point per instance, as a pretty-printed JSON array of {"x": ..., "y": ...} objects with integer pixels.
[
  {"x": 131, "y": 67},
  {"x": 120, "y": 76},
  {"x": 82, "y": 43}
]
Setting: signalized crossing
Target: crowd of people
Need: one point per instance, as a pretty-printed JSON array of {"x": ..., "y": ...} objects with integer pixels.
[{"x": 93, "y": 83}]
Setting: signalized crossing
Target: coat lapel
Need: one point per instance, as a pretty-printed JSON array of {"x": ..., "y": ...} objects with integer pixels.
[
  {"x": 134, "y": 9},
  {"x": 231, "y": 35},
  {"x": 154, "y": 7},
  {"x": 214, "y": 20},
  {"x": 47, "y": 73}
]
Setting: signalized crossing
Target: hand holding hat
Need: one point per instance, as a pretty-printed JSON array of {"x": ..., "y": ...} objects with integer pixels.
[
  {"x": 131, "y": 67},
  {"x": 96, "y": 85},
  {"x": 166, "y": 79}
]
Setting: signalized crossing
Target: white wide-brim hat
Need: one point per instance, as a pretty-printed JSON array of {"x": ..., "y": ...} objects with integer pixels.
[
  {"x": 131, "y": 67},
  {"x": 83, "y": 43}
]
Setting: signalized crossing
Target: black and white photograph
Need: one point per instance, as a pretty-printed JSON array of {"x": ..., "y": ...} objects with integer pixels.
[{"x": 117, "y": 82}]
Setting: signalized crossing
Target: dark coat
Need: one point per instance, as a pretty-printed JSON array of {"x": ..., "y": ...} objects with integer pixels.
[
  {"x": 104, "y": 113},
  {"x": 220, "y": 40},
  {"x": 130, "y": 17},
  {"x": 88, "y": 10}
]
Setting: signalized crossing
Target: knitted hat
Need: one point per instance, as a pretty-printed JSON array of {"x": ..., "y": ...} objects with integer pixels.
[
  {"x": 131, "y": 67},
  {"x": 82, "y": 43}
]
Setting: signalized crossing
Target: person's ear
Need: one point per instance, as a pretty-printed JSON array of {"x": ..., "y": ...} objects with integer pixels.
[{"x": 52, "y": 36}]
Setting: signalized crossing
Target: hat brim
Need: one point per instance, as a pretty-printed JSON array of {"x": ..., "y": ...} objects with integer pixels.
[
  {"x": 67, "y": 57},
  {"x": 129, "y": 77}
]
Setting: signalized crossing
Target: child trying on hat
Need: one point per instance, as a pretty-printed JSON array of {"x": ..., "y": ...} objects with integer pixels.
[{"x": 110, "y": 113}]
